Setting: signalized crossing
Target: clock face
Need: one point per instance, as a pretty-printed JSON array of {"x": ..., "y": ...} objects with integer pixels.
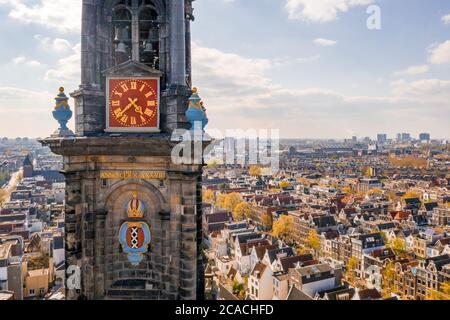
[{"x": 133, "y": 104}]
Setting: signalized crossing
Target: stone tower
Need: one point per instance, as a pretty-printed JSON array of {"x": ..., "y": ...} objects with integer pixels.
[
  {"x": 133, "y": 217},
  {"x": 28, "y": 168}
]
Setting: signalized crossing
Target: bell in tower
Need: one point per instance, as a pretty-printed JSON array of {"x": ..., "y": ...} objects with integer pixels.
[{"x": 133, "y": 216}]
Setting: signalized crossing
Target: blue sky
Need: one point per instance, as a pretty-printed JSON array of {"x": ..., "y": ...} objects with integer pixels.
[{"x": 310, "y": 68}]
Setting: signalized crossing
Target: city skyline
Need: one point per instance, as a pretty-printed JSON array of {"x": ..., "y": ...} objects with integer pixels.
[
  {"x": 330, "y": 75},
  {"x": 224, "y": 150}
]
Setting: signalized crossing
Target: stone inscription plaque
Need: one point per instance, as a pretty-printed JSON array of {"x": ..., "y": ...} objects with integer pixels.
[{"x": 127, "y": 175}]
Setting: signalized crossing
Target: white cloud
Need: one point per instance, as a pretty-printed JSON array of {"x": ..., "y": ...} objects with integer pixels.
[
  {"x": 250, "y": 98},
  {"x": 446, "y": 19},
  {"x": 68, "y": 68},
  {"x": 324, "y": 42},
  {"x": 20, "y": 95},
  {"x": 230, "y": 69},
  {"x": 440, "y": 53},
  {"x": 61, "y": 15},
  {"x": 320, "y": 10},
  {"x": 22, "y": 60},
  {"x": 412, "y": 71},
  {"x": 426, "y": 90},
  {"x": 308, "y": 59},
  {"x": 56, "y": 44},
  {"x": 26, "y": 113}
]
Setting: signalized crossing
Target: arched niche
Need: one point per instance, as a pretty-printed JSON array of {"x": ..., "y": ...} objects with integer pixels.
[
  {"x": 119, "y": 195},
  {"x": 117, "y": 266}
]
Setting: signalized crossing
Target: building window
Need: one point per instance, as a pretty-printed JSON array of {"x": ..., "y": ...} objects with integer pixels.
[
  {"x": 136, "y": 31},
  {"x": 32, "y": 292},
  {"x": 122, "y": 33},
  {"x": 42, "y": 290}
]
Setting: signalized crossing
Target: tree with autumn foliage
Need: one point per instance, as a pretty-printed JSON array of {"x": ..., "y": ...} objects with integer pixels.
[
  {"x": 255, "y": 171},
  {"x": 351, "y": 268},
  {"x": 388, "y": 276},
  {"x": 375, "y": 191},
  {"x": 231, "y": 201},
  {"x": 242, "y": 211},
  {"x": 3, "y": 196},
  {"x": 283, "y": 228},
  {"x": 213, "y": 163},
  {"x": 228, "y": 201},
  {"x": 410, "y": 195},
  {"x": 266, "y": 221},
  {"x": 442, "y": 294},
  {"x": 408, "y": 161},
  {"x": 209, "y": 196},
  {"x": 348, "y": 190},
  {"x": 398, "y": 245},
  {"x": 220, "y": 200},
  {"x": 284, "y": 184},
  {"x": 313, "y": 240}
]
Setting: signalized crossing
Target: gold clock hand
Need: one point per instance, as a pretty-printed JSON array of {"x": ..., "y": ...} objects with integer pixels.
[
  {"x": 121, "y": 113},
  {"x": 137, "y": 108}
]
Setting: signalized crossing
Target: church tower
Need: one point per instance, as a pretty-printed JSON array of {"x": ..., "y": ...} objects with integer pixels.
[{"x": 133, "y": 217}]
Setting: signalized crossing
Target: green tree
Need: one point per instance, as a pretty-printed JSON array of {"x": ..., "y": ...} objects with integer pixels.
[
  {"x": 239, "y": 290},
  {"x": 385, "y": 238},
  {"x": 39, "y": 262},
  {"x": 4, "y": 177}
]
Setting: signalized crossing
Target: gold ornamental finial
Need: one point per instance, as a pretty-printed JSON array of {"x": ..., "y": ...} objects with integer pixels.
[
  {"x": 61, "y": 89},
  {"x": 195, "y": 90}
]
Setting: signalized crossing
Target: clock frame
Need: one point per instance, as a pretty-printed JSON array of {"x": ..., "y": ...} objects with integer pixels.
[{"x": 115, "y": 125}]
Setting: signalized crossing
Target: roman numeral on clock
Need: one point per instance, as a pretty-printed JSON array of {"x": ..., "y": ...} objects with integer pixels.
[
  {"x": 124, "y": 118},
  {"x": 133, "y": 85},
  {"x": 115, "y": 103},
  {"x": 151, "y": 103},
  {"x": 118, "y": 112},
  {"x": 148, "y": 95},
  {"x": 148, "y": 112},
  {"x": 133, "y": 121},
  {"x": 125, "y": 88}
]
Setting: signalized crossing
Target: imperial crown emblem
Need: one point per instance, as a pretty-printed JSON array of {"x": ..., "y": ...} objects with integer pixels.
[{"x": 135, "y": 207}]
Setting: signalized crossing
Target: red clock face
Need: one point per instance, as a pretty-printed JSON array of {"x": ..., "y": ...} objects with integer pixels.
[{"x": 133, "y": 103}]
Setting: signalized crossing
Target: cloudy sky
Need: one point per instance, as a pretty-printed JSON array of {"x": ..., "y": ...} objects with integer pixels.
[{"x": 311, "y": 68}]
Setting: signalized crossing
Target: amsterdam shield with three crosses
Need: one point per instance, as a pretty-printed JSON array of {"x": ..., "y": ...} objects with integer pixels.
[{"x": 135, "y": 235}]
